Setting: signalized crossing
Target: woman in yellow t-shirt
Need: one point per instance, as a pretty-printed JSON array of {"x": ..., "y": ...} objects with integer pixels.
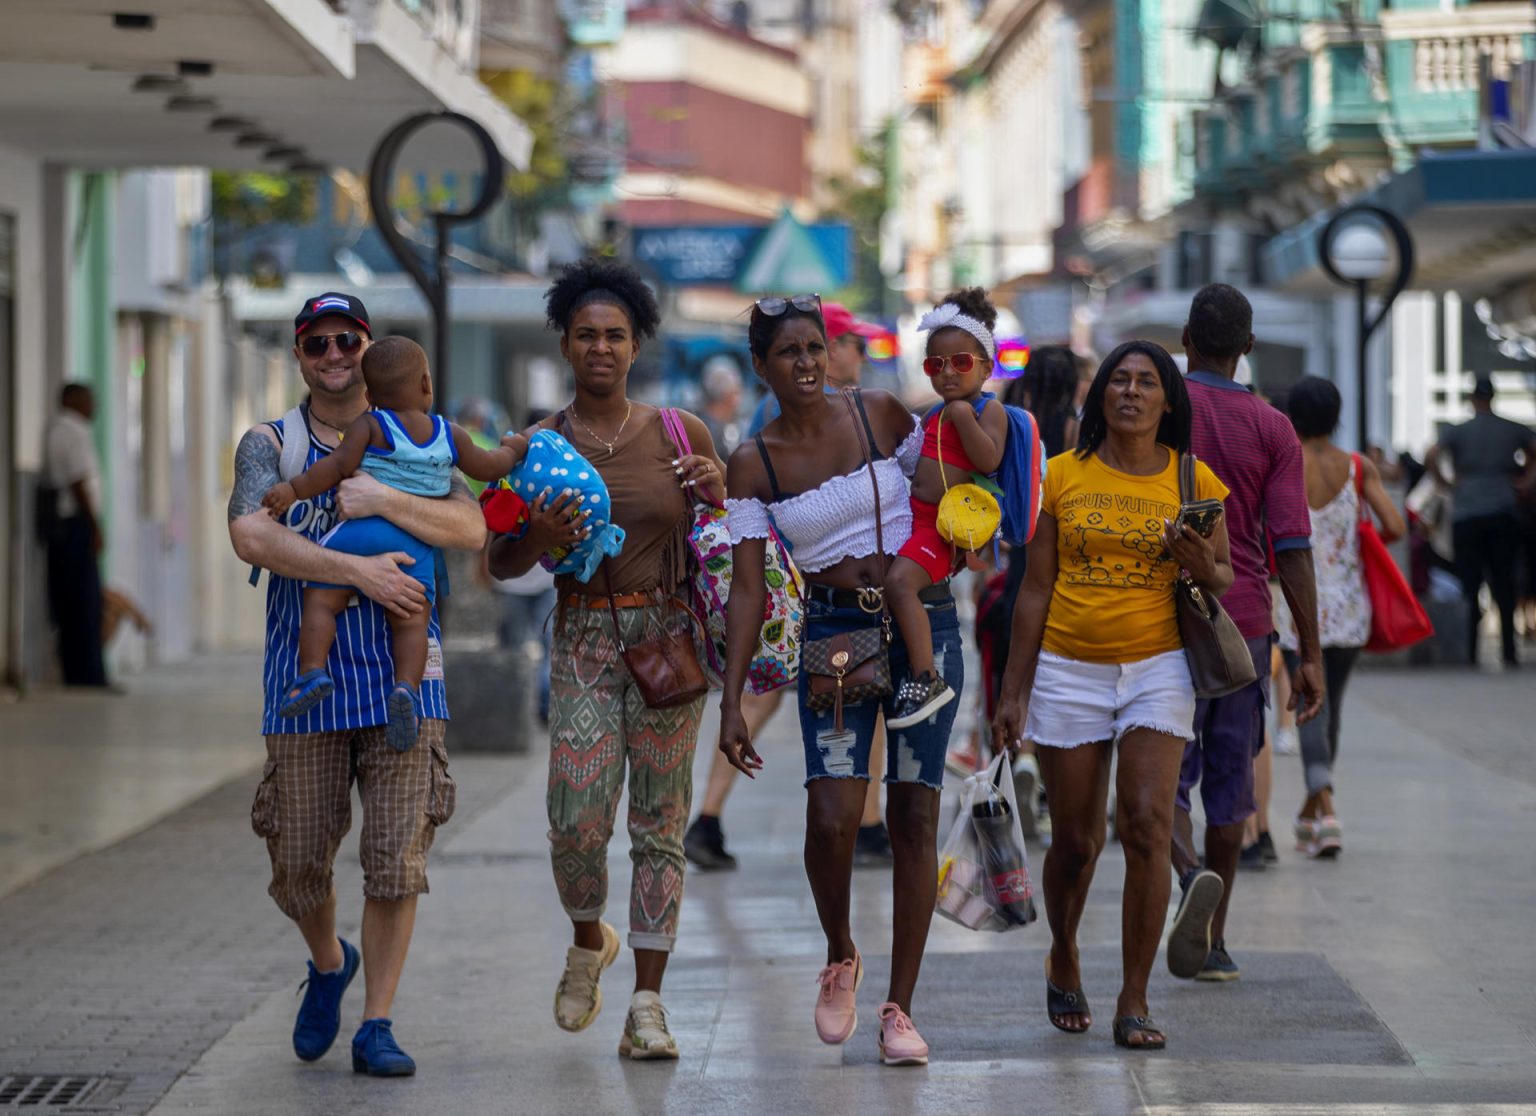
[{"x": 1096, "y": 660}]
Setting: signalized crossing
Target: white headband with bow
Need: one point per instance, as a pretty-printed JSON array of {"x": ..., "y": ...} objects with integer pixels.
[{"x": 950, "y": 316}]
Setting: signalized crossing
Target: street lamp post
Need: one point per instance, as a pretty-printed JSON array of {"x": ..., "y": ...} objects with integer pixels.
[{"x": 1355, "y": 252}]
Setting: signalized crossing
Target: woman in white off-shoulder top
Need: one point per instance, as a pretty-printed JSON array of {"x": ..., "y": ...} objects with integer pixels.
[{"x": 806, "y": 472}]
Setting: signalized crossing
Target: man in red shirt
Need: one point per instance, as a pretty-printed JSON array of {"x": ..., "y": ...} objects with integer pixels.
[{"x": 1253, "y": 449}]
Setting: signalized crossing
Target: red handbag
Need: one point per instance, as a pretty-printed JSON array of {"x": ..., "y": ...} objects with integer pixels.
[{"x": 1397, "y": 618}]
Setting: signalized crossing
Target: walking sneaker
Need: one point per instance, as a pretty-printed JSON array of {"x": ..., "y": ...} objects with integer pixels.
[
  {"x": 645, "y": 1030},
  {"x": 1287, "y": 741},
  {"x": 319, "y": 1018},
  {"x": 1327, "y": 839},
  {"x": 578, "y": 999},
  {"x": 1251, "y": 859},
  {"x": 1306, "y": 831},
  {"x": 376, "y": 1053},
  {"x": 1026, "y": 778},
  {"x": 704, "y": 845},
  {"x": 900, "y": 1044},
  {"x": 920, "y": 698},
  {"x": 1219, "y": 964},
  {"x": 836, "y": 1004},
  {"x": 1189, "y": 940},
  {"x": 872, "y": 846}
]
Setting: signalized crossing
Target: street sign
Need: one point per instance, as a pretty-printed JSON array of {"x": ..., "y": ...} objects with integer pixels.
[{"x": 717, "y": 255}]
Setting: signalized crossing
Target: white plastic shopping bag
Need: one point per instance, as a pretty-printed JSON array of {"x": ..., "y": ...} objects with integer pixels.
[{"x": 984, "y": 881}]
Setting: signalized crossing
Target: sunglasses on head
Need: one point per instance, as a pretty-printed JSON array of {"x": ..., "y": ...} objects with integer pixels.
[
  {"x": 805, "y": 303},
  {"x": 316, "y": 344},
  {"x": 962, "y": 363}
]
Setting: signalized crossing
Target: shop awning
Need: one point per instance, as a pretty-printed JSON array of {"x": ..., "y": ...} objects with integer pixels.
[{"x": 1472, "y": 215}]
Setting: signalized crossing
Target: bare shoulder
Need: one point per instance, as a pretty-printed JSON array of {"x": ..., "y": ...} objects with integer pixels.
[
  {"x": 888, "y": 413},
  {"x": 745, "y": 476}
]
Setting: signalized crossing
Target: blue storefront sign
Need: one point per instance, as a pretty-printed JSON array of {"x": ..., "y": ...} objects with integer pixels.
[{"x": 717, "y": 254}]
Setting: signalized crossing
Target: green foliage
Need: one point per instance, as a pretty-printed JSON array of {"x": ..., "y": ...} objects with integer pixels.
[
  {"x": 536, "y": 102},
  {"x": 251, "y": 199},
  {"x": 862, "y": 200}
]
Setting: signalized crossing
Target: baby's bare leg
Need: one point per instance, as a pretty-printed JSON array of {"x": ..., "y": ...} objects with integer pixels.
[
  {"x": 410, "y": 646},
  {"x": 317, "y": 627},
  {"x": 902, "y": 584}
]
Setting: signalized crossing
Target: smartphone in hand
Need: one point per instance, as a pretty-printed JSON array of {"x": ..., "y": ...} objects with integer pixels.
[{"x": 1201, "y": 515}]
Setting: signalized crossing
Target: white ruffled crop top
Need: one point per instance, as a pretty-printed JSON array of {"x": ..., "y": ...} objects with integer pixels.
[{"x": 836, "y": 519}]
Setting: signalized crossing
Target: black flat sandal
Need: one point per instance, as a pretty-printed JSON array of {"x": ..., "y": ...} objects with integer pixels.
[
  {"x": 1059, "y": 1003},
  {"x": 1128, "y": 1025}
]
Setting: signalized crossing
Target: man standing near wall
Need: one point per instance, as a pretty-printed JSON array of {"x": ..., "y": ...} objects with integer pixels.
[
  {"x": 303, "y": 805},
  {"x": 70, "y": 517},
  {"x": 1254, "y": 451}
]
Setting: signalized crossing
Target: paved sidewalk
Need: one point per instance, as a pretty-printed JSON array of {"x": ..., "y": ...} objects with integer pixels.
[{"x": 1396, "y": 977}]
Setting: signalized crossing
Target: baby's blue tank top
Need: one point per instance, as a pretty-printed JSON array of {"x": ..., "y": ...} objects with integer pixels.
[{"x": 420, "y": 468}]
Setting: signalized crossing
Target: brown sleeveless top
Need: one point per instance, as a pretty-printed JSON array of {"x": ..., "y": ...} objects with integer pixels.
[{"x": 647, "y": 503}]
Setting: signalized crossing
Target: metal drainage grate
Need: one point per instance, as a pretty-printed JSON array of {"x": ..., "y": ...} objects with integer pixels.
[{"x": 56, "y": 1092}]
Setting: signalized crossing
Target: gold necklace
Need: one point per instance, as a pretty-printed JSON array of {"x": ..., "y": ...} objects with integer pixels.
[{"x": 628, "y": 406}]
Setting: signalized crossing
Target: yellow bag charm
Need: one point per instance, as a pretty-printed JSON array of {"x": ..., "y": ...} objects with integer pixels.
[{"x": 969, "y": 515}]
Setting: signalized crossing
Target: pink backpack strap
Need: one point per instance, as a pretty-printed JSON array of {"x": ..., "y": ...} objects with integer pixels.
[{"x": 675, "y": 429}]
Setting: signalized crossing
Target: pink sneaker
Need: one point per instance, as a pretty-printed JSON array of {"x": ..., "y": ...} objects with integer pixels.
[
  {"x": 900, "y": 1044},
  {"x": 836, "y": 1016}
]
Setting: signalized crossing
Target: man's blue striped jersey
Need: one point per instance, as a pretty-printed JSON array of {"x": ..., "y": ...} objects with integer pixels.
[{"x": 360, "y": 663}]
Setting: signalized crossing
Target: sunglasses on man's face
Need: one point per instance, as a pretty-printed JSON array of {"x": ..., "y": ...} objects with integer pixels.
[
  {"x": 962, "y": 363},
  {"x": 316, "y": 345},
  {"x": 805, "y": 303}
]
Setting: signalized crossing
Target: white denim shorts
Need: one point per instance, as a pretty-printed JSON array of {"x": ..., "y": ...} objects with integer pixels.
[{"x": 1076, "y": 703}]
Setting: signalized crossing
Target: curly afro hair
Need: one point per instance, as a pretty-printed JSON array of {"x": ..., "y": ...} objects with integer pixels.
[
  {"x": 617, "y": 284},
  {"x": 973, "y": 303}
]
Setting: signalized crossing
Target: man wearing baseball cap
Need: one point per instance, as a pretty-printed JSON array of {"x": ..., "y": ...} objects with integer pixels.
[{"x": 303, "y": 804}]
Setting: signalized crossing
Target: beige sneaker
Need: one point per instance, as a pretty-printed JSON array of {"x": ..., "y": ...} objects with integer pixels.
[
  {"x": 578, "y": 999},
  {"x": 645, "y": 1031}
]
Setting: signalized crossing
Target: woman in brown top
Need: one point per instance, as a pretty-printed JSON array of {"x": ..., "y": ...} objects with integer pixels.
[{"x": 599, "y": 726}]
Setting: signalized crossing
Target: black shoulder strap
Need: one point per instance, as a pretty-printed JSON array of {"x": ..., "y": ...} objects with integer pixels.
[
  {"x": 773, "y": 478},
  {"x": 874, "y": 446},
  {"x": 1186, "y": 478}
]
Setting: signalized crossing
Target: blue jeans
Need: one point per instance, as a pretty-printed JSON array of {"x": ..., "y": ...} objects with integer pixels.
[{"x": 914, "y": 754}]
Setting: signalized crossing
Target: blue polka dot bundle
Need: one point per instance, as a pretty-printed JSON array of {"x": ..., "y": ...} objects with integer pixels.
[{"x": 552, "y": 463}]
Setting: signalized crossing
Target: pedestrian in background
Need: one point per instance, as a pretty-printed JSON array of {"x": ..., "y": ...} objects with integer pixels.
[
  {"x": 600, "y": 728},
  {"x": 1337, "y": 482},
  {"x": 303, "y": 805},
  {"x": 1097, "y": 666},
  {"x": 721, "y": 413},
  {"x": 1489, "y": 479},
  {"x": 70, "y": 499},
  {"x": 807, "y": 476},
  {"x": 1254, "y": 452},
  {"x": 527, "y": 610}
]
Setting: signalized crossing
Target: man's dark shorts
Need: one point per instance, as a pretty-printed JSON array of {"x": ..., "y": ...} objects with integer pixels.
[{"x": 1229, "y": 732}]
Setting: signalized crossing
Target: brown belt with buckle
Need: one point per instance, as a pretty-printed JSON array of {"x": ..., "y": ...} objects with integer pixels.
[{"x": 620, "y": 600}]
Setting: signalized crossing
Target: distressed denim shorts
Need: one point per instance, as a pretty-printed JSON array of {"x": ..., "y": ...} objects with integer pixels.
[
  {"x": 1074, "y": 703},
  {"x": 914, "y": 754}
]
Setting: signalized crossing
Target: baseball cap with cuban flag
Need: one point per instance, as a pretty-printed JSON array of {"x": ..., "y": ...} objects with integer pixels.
[{"x": 321, "y": 306}]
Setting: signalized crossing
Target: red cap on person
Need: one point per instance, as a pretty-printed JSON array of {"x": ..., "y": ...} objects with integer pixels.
[{"x": 840, "y": 320}]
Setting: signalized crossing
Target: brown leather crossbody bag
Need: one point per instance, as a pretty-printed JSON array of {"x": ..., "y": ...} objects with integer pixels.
[{"x": 664, "y": 667}]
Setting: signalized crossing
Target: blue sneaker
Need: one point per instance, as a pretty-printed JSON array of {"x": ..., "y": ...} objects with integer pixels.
[
  {"x": 320, "y": 1014},
  {"x": 375, "y": 1052}
]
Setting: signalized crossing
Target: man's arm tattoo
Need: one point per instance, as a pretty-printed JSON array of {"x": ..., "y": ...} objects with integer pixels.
[{"x": 256, "y": 470}]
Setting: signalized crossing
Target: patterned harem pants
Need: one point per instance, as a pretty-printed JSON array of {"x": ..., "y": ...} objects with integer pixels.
[{"x": 598, "y": 728}]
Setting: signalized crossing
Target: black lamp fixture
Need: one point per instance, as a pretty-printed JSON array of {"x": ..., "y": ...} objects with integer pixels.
[
  {"x": 307, "y": 166},
  {"x": 255, "y": 139},
  {"x": 285, "y": 152},
  {"x": 231, "y": 124}
]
